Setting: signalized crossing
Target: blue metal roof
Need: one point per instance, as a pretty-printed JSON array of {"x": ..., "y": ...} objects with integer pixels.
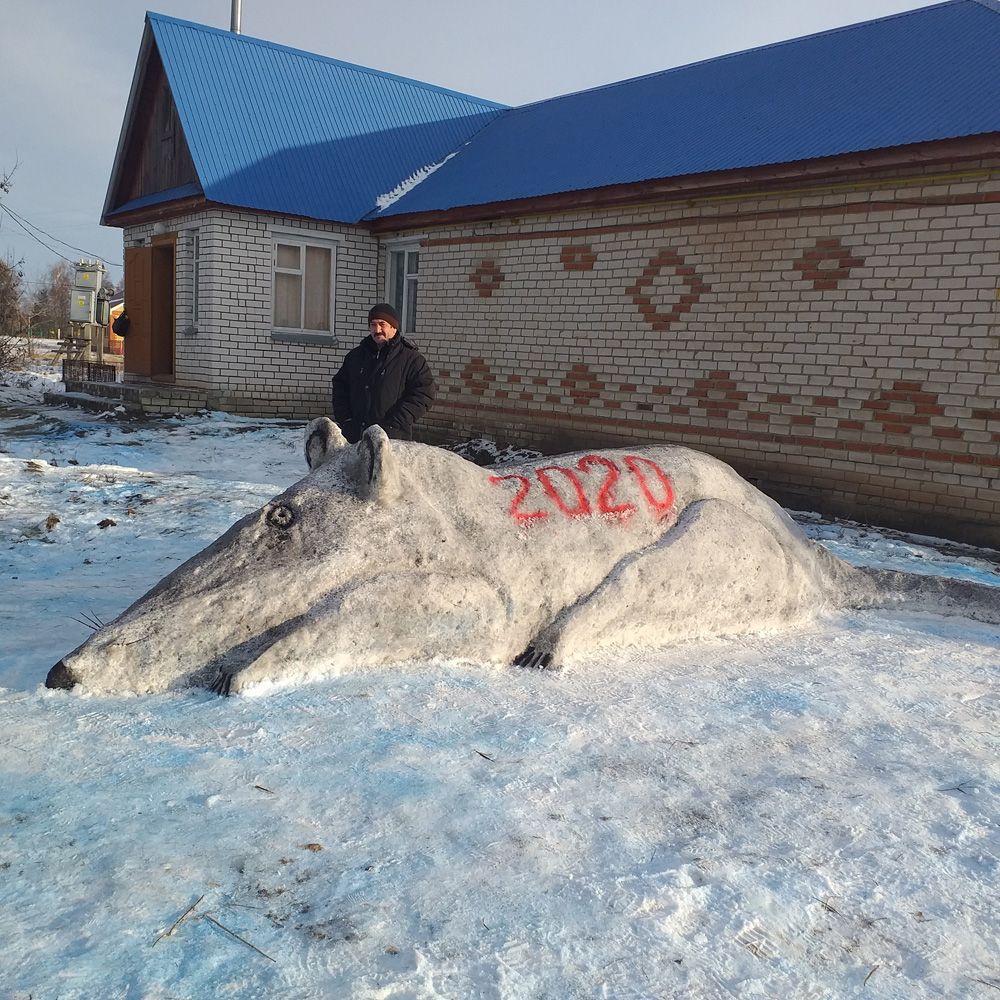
[
  {"x": 928, "y": 74},
  {"x": 277, "y": 129}
]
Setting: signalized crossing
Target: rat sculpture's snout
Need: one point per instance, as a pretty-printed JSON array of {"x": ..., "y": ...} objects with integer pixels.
[{"x": 60, "y": 676}]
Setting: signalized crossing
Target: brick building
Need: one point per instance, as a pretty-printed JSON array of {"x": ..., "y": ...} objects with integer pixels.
[{"x": 789, "y": 257}]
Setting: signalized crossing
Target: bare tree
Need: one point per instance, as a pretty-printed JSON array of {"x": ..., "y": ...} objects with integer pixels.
[
  {"x": 52, "y": 299},
  {"x": 12, "y": 344},
  {"x": 11, "y": 288}
]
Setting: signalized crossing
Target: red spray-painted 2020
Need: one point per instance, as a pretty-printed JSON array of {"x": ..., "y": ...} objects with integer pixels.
[{"x": 588, "y": 489}]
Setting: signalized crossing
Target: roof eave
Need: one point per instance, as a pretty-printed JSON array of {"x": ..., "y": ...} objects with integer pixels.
[
  {"x": 842, "y": 167},
  {"x": 164, "y": 211},
  {"x": 157, "y": 213}
]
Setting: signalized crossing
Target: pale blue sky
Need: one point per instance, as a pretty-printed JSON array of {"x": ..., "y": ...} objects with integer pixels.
[{"x": 66, "y": 69}]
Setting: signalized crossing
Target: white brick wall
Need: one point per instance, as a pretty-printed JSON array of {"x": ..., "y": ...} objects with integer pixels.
[{"x": 233, "y": 352}]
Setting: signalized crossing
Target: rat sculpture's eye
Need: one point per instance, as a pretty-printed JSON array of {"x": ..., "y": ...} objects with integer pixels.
[{"x": 280, "y": 516}]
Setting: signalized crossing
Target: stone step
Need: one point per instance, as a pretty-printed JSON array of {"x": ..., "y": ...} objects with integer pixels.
[{"x": 150, "y": 399}]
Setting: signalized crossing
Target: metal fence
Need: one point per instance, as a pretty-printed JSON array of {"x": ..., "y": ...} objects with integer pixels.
[{"x": 88, "y": 371}]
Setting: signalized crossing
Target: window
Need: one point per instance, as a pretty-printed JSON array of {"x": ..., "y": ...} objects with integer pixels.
[
  {"x": 304, "y": 280},
  {"x": 402, "y": 281},
  {"x": 195, "y": 277}
]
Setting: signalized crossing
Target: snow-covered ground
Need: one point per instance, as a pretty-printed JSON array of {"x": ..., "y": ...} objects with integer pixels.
[{"x": 812, "y": 815}]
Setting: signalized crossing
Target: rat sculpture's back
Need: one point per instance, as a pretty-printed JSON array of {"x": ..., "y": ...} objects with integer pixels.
[{"x": 393, "y": 552}]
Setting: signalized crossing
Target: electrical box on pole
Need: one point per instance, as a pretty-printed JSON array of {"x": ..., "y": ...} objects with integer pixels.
[
  {"x": 86, "y": 301},
  {"x": 88, "y": 274},
  {"x": 81, "y": 305}
]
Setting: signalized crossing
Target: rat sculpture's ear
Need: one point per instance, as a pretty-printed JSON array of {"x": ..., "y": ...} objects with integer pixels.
[
  {"x": 378, "y": 479},
  {"x": 323, "y": 437}
]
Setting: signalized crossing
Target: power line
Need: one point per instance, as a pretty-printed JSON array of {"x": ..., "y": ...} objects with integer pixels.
[
  {"x": 36, "y": 284},
  {"x": 23, "y": 223},
  {"x": 11, "y": 211},
  {"x": 35, "y": 238}
]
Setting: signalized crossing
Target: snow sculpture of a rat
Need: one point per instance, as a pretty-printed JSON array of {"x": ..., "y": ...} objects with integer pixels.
[{"x": 392, "y": 552}]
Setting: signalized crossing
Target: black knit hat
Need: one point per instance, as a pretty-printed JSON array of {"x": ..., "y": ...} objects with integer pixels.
[{"x": 384, "y": 311}]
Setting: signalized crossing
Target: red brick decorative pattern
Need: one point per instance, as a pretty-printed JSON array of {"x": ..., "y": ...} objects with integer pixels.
[
  {"x": 726, "y": 432},
  {"x": 716, "y": 400},
  {"x": 576, "y": 389},
  {"x": 827, "y": 264},
  {"x": 578, "y": 257},
  {"x": 902, "y": 408},
  {"x": 584, "y": 387},
  {"x": 716, "y": 394},
  {"x": 487, "y": 278},
  {"x": 477, "y": 376},
  {"x": 641, "y": 291}
]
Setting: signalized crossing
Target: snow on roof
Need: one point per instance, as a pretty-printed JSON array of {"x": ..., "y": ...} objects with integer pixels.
[{"x": 383, "y": 201}]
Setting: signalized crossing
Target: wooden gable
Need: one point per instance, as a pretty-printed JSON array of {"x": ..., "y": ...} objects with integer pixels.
[{"x": 154, "y": 154}]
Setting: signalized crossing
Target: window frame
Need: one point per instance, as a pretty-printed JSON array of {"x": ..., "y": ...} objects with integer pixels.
[
  {"x": 195, "y": 278},
  {"x": 302, "y": 239},
  {"x": 406, "y": 246}
]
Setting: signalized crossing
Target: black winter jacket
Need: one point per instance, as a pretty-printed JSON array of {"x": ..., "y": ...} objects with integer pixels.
[{"x": 388, "y": 384}]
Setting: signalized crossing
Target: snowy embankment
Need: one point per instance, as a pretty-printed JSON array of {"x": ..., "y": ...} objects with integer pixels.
[{"x": 807, "y": 815}]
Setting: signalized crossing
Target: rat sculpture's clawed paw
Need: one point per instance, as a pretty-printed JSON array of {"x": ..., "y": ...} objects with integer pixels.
[
  {"x": 536, "y": 657},
  {"x": 222, "y": 685}
]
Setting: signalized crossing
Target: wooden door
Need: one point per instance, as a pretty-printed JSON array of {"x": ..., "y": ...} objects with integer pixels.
[
  {"x": 139, "y": 303},
  {"x": 163, "y": 314}
]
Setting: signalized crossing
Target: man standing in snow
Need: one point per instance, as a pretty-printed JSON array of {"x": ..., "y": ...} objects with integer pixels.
[{"x": 384, "y": 380}]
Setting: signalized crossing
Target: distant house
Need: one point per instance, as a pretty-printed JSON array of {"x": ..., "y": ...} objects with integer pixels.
[
  {"x": 116, "y": 344},
  {"x": 788, "y": 257}
]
